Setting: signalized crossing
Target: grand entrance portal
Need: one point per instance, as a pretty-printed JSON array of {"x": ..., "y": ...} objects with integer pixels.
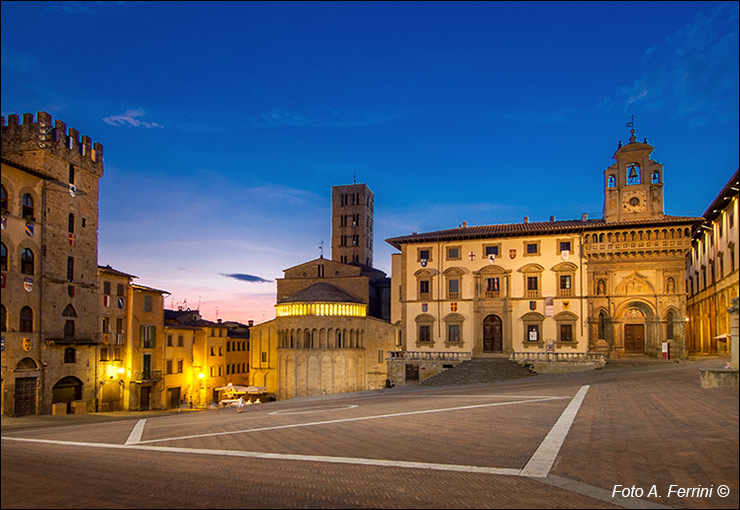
[
  {"x": 634, "y": 339},
  {"x": 492, "y": 334}
]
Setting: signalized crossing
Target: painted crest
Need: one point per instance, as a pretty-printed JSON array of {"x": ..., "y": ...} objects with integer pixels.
[
  {"x": 72, "y": 240},
  {"x": 424, "y": 307},
  {"x": 453, "y": 307},
  {"x": 28, "y": 284},
  {"x": 3, "y": 222},
  {"x": 565, "y": 254},
  {"x": 106, "y": 301},
  {"x": 29, "y": 229},
  {"x": 73, "y": 190},
  {"x": 512, "y": 254},
  {"x": 120, "y": 302},
  {"x": 424, "y": 262},
  {"x": 533, "y": 305},
  {"x": 471, "y": 256},
  {"x": 566, "y": 305},
  {"x": 2, "y": 280},
  {"x": 71, "y": 290},
  {"x": 491, "y": 258},
  {"x": 27, "y": 344}
]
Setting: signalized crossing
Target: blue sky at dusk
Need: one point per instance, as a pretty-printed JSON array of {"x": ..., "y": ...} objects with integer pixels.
[{"x": 224, "y": 125}]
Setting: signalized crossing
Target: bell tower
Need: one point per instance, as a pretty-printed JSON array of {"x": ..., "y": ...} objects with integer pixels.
[{"x": 633, "y": 186}]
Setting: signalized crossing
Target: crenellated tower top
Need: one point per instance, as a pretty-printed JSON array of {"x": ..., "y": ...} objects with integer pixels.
[{"x": 40, "y": 134}]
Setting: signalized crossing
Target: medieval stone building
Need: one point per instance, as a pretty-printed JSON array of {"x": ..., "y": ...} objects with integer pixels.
[
  {"x": 330, "y": 333},
  {"x": 50, "y": 302}
]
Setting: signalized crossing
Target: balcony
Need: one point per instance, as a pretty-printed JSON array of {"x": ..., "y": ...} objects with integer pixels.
[
  {"x": 425, "y": 296},
  {"x": 429, "y": 355},
  {"x": 565, "y": 293},
  {"x": 453, "y": 295},
  {"x": 533, "y": 293},
  {"x": 492, "y": 294},
  {"x": 152, "y": 375}
]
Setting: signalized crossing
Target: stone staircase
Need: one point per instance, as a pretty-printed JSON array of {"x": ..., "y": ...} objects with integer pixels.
[{"x": 479, "y": 370}]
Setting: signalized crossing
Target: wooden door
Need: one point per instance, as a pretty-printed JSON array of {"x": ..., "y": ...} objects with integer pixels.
[
  {"x": 634, "y": 339},
  {"x": 492, "y": 334},
  {"x": 25, "y": 396}
]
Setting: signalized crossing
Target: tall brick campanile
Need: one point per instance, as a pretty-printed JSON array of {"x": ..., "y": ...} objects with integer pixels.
[
  {"x": 50, "y": 238},
  {"x": 352, "y": 224}
]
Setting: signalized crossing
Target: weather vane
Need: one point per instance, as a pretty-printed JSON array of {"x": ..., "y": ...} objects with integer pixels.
[
  {"x": 321, "y": 249},
  {"x": 631, "y": 123}
]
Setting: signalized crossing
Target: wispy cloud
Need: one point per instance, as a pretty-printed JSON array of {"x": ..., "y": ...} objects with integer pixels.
[
  {"x": 694, "y": 72},
  {"x": 131, "y": 118},
  {"x": 334, "y": 118},
  {"x": 246, "y": 277},
  {"x": 78, "y": 8}
]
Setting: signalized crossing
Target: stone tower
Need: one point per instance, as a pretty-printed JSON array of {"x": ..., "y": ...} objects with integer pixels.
[
  {"x": 352, "y": 224},
  {"x": 633, "y": 186},
  {"x": 50, "y": 231}
]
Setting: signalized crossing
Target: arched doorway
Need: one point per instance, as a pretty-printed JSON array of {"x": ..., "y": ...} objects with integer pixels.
[
  {"x": 492, "y": 334},
  {"x": 67, "y": 390},
  {"x": 25, "y": 387},
  {"x": 635, "y": 318}
]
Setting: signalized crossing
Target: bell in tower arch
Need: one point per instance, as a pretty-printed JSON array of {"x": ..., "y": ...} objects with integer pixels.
[{"x": 633, "y": 173}]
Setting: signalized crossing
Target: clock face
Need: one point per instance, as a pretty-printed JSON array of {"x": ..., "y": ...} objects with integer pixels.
[{"x": 634, "y": 202}]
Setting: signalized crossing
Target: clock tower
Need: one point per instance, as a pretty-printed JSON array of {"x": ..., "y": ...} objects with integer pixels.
[{"x": 633, "y": 186}]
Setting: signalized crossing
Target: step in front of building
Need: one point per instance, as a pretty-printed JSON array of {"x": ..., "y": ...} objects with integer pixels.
[{"x": 479, "y": 370}]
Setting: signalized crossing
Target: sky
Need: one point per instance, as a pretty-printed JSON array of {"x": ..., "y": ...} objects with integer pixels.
[{"x": 225, "y": 125}]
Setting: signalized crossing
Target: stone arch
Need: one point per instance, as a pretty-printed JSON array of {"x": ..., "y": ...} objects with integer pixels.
[
  {"x": 27, "y": 364},
  {"x": 67, "y": 389}
]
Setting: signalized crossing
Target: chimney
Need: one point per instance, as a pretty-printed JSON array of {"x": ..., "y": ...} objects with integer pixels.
[
  {"x": 465, "y": 224},
  {"x": 552, "y": 218},
  {"x": 584, "y": 216},
  {"x": 250, "y": 322},
  {"x": 526, "y": 219}
]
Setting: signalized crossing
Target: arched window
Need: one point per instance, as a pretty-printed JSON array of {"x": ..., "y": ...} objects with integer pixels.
[
  {"x": 71, "y": 173},
  {"x": 27, "y": 206},
  {"x": 602, "y": 325},
  {"x": 669, "y": 324},
  {"x": 70, "y": 355},
  {"x": 655, "y": 178},
  {"x": 69, "y": 329},
  {"x": 3, "y": 257},
  {"x": 3, "y": 199},
  {"x": 69, "y": 311},
  {"x": 26, "y": 324},
  {"x": 27, "y": 264},
  {"x": 3, "y": 318},
  {"x": 612, "y": 181},
  {"x": 71, "y": 223},
  {"x": 633, "y": 174}
]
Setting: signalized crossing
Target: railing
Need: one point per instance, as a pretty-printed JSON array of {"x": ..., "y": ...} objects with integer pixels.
[
  {"x": 428, "y": 355},
  {"x": 153, "y": 375},
  {"x": 533, "y": 293},
  {"x": 492, "y": 293},
  {"x": 453, "y": 295},
  {"x": 556, "y": 356},
  {"x": 424, "y": 296},
  {"x": 565, "y": 293}
]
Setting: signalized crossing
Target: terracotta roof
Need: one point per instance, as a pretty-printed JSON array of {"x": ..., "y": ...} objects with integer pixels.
[
  {"x": 110, "y": 270},
  {"x": 532, "y": 228},
  {"x": 321, "y": 293}
]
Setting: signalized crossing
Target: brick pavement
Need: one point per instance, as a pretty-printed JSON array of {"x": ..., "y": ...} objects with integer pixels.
[{"x": 642, "y": 426}]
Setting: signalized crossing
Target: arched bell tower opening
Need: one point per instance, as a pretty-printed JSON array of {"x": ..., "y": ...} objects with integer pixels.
[{"x": 633, "y": 186}]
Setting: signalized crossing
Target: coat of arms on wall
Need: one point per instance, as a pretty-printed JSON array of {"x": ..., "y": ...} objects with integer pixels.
[{"x": 512, "y": 254}]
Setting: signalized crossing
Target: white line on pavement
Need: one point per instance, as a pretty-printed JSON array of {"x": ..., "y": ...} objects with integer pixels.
[
  {"x": 135, "y": 436},
  {"x": 541, "y": 462},
  {"x": 283, "y": 456}
]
